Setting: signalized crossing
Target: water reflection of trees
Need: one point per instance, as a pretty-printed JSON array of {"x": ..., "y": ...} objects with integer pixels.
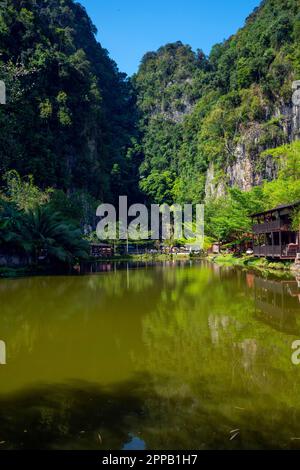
[
  {"x": 207, "y": 364},
  {"x": 207, "y": 344},
  {"x": 45, "y": 305}
]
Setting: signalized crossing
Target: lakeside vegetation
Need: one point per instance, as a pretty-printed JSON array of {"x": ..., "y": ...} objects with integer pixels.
[
  {"x": 45, "y": 228},
  {"x": 252, "y": 263},
  {"x": 31, "y": 227},
  {"x": 76, "y": 132}
]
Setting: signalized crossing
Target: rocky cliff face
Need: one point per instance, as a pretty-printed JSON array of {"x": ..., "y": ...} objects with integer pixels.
[
  {"x": 295, "y": 121},
  {"x": 248, "y": 168}
]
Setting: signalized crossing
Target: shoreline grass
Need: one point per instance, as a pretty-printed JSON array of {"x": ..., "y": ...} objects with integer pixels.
[{"x": 252, "y": 263}]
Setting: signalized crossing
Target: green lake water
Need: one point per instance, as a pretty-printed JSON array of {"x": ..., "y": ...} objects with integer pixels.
[{"x": 166, "y": 356}]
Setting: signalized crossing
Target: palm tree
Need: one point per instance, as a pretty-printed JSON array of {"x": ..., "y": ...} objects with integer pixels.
[
  {"x": 8, "y": 216},
  {"x": 46, "y": 236}
]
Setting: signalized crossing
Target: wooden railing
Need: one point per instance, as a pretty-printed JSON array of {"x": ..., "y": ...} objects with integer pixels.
[
  {"x": 291, "y": 251},
  {"x": 268, "y": 227},
  {"x": 284, "y": 251},
  {"x": 268, "y": 250}
]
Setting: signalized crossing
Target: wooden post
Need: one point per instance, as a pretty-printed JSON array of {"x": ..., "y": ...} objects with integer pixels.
[
  {"x": 266, "y": 247},
  {"x": 280, "y": 243}
]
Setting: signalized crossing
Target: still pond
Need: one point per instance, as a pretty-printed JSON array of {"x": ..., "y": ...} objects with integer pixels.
[{"x": 165, "y": 356}]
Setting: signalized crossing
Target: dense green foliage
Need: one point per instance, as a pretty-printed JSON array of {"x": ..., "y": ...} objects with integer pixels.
[
  {"x": 30, "y": 226},
  {"x": 86, "y": 133},
  {"x": 195, "y": 109},
  {"x": 227, "y": 218},
  {"x": 69, "y": 118}
]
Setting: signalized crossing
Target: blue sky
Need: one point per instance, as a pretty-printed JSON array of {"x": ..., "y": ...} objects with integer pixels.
[{"x": 130, "y": 28}]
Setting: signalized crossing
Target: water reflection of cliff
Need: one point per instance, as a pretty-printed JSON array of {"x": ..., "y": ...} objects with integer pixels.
[{"x": 278, "y": 303}]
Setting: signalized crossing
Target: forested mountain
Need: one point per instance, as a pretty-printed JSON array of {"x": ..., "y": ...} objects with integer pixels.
[
  {"x": 184, "y": 128},
  {"x": 69, "y": 118},
  {"x": 205, "y": 121}
]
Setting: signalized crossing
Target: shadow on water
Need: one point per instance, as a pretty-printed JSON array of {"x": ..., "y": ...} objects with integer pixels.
[
  {"x": 75, "y": 416},
  {"x": 134, "y": 416}
]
